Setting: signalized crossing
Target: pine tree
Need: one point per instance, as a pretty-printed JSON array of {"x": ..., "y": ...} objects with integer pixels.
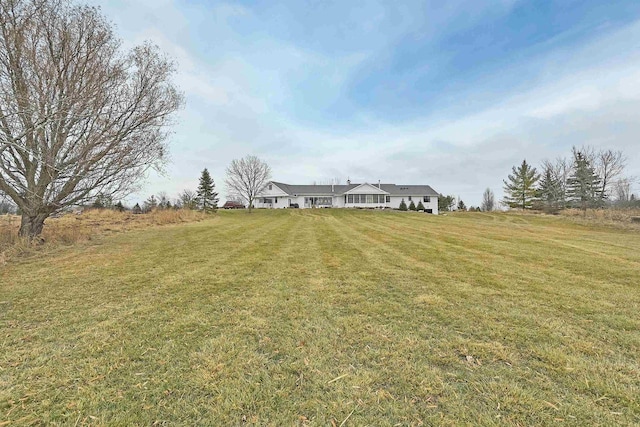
[
  {"x": 207, "y": 197},
  {"x": 446, "y": 203},
  {"x": 520, "y": 189},
  {"x": 403, "y": 206},
  {"x": 119, "y": 207},
  {"x": 412, "y": 206},
  {"x": 583, "y": 186},
  {"x": 550, "y": 191},
  {"x": 150, "y": 204},
  {"x": 462, "y": 206},
  {"x": 420, "y": 206},
  {"x": 136, "y": 209},
  {"x": 102, "y": 202}
]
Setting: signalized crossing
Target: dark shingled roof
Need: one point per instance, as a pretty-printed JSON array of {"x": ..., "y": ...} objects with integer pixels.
[
  {"x": 327, "y": 190},
  {"x": 409, "y": 190},
  {"x": 314, "y": 189}
]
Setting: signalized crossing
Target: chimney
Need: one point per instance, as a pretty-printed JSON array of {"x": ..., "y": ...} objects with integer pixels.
[
  {"x": 378, "y": 184},
  {"x": 348, "y": 181},
  {"x": 332, "y": 187}
]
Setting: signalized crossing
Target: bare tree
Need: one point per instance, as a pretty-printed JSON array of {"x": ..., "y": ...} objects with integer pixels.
[
  {"x": 622, "y": 188},
  {"x": 609, "y": 166},
  {"x": 563, "y": 168},
  {"x": 188, "y": 199},
  {"x": 163, "y": 199},
  {"x": 78, "y": 116},
  {"x": 247, "y": 177},
  {"x": 488, "y": 200}
]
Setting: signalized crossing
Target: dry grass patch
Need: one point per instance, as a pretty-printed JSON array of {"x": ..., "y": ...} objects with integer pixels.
[
  {"x": 616, "y": 217},
  {"x": 74, "y": 228}
]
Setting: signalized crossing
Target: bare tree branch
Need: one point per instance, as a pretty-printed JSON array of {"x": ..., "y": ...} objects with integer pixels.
[
  {"x": 247, "y": 177},
  {"x": 78, "y": 116}
]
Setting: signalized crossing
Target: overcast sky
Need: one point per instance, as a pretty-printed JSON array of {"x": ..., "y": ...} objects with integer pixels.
[{"x": 450, "y": 94}]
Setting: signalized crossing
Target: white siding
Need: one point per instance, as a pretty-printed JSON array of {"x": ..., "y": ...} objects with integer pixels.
[{"x": 281, "y": 200}]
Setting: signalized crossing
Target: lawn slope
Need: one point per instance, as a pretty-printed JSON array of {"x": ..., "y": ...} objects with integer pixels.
[{"x": 328, "y": 316}]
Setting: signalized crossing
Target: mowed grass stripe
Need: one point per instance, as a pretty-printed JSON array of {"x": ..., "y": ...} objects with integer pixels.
[
  {"x": 531, "y": 252},
  {"x": 305, "y": 317}
]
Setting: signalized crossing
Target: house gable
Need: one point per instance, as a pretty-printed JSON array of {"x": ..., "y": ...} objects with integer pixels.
[
  {"x": 366, "y": 189},
  {"x": 274, "y": 190}
]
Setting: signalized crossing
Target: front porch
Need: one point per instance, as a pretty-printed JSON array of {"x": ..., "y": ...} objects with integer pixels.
[{"x": 318, "y": 202}]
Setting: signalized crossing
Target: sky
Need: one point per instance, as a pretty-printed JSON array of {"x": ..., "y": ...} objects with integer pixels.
[{"x": 450, "y": 94}]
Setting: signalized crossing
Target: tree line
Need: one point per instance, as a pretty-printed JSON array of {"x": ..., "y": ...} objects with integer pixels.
[
  {"x": 590, "y": 178},
  {"x": 204, "y": 199},
  {"x": 245, "y": 178}
]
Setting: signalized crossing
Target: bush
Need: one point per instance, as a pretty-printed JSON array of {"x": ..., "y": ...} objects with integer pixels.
[
  {"x": 412, "y": 206},
  {"x": 420, "y": 206},
  {"x": 403, "y": 206}
]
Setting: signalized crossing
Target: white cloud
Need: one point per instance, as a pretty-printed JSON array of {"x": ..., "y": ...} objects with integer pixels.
[{"x": 236, "y": 96}]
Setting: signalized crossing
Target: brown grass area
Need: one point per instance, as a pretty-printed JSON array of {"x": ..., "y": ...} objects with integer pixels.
[
  {"x": 73, "y": 228},
  {"x": 616, "y": 217}
]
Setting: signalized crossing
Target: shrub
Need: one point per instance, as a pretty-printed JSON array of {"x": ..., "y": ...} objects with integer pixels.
[
  {"x": 403, "y": 206},
  {"x": 412, "y": 206},
  {"x": 420, "y": 206}
]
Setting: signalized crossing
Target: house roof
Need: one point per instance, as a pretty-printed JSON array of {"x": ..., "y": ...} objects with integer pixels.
[
  {"x": 409, "y": 190},
  {"x": 335, "y": 190}
]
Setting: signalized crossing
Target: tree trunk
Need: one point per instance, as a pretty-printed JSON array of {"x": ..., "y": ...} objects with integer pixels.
[{"x": 31, "y": 226}]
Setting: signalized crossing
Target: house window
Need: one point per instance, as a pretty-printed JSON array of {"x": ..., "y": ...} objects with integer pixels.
[
  {"x": 426, "y": 199},
  {"x": 388, "y": 199},
  {"x": 276, "y": 200},
  {"x": 265, "y": 200},
  {"x": 350, "y": 198},
  {"x": 370, "y": 198},
  {"x": 270, "y": 187},
  {"x": 409, "y": 198}
]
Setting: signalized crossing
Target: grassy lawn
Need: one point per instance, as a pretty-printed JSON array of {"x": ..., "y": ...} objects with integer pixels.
[{"x": 327, "y": 317}]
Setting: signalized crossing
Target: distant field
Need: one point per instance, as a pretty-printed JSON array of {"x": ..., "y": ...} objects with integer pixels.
[{"x": 327, "y": 317}]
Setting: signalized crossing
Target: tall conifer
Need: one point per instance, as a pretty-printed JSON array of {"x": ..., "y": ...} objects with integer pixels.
[
  {"x": 207, "y": 198},
  {"x": 583, "y": 187},
  {"x": 520, "y": 188}
]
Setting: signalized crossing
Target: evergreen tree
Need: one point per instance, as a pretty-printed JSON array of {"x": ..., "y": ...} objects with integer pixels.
[
  {"x": 550, "y": 191},
  {"x": 119, "y": 207},
  {"x": 403, "y": 206},
  {"x": 446, "y": 203},
  {"x": 462, "y": 206},
  {"x": 150, "y": 204},
  {"x": 207, "y": 197},
  {"x": 412, "y": 206},
  {"x": 136, "y": 209},
  {"x": 102, "y": 202},
  {"x": 420, "y": 206},
  {"x": 583, "y": 186},
  {"x": 520, "y": 189}
]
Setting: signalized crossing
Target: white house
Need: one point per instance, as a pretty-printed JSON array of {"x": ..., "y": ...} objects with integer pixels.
[{"x": 278, "y": 195}]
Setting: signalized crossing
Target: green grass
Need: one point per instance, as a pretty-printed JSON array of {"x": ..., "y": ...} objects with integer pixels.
[{"x": 327, "y": 317}]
